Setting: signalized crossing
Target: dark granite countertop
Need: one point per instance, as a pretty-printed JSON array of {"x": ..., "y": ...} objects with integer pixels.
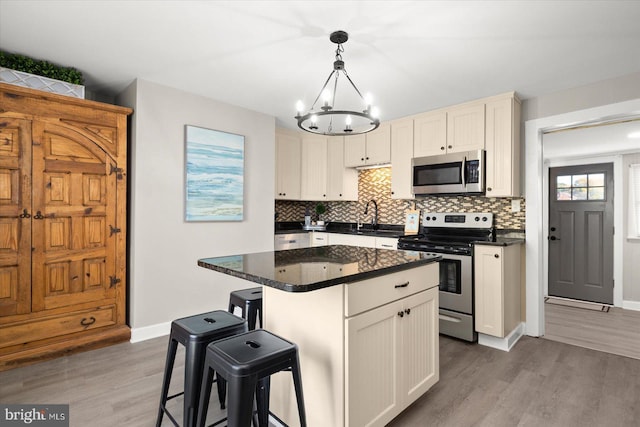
[
  {"x": 344, "y": 264},
  {"x": 503, "y": 241},
  {"x": 382, "y": 230}
]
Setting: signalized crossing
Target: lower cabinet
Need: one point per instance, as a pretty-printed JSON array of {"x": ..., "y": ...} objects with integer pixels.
[
  {"x": 368, "y": 349},
  {"x": 392, "y": 358},
  {"x": 497, "y": 289}
]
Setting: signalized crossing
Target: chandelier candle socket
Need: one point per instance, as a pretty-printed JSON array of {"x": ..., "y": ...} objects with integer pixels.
[{"x": 356, "y": 115}]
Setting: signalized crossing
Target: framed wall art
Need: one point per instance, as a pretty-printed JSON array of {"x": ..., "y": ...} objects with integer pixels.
[{"x": 214, "y": 168}]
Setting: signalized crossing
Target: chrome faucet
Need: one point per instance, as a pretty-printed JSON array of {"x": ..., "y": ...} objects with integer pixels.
[{"x": 374, "y": 216}]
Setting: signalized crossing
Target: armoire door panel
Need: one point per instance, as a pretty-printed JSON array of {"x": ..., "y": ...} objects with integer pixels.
[
  {"x": 15, "y": 213},
  {"x": 78, "y": 202}
]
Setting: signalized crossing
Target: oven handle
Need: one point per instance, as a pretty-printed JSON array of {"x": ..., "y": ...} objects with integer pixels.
[{"x": 449, "y": 318}]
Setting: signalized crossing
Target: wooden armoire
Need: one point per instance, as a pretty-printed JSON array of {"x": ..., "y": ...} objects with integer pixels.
[{"x": 63, "y": 169}]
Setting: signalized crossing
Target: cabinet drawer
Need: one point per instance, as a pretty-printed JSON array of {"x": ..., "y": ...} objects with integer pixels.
[
  {"x": 367, "y": 294},
  {"x": 48, "y": 327}
]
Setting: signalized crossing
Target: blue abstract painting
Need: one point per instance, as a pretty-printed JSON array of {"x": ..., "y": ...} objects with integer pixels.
[{"x": 214, "y": 175}]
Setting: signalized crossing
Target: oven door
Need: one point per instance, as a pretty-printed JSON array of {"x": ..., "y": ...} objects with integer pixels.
[{"x": 456, "y": 283}]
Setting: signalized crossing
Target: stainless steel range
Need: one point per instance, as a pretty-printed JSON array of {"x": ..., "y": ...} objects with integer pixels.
[{"x": 452, "y": 235}]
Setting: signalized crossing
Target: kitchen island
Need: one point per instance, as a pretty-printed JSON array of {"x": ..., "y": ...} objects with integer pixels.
[{"x": 365, "y": 321}]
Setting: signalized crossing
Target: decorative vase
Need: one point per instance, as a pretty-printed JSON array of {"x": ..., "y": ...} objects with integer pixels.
[{"x": 20, "y": 78}]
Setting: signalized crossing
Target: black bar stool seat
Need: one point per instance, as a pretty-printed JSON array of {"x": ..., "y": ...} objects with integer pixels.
[
  {"x": 195, "y": 333},
  {"x": 246, "y": 361},
  {"x": 250, "y": 301}
]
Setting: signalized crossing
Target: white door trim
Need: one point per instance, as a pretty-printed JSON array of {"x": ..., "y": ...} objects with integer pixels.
[{"x": 535, "y": 196}]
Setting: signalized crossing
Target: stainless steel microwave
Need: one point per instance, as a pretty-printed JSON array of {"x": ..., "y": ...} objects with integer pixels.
[{"x": 455, "y": 173}]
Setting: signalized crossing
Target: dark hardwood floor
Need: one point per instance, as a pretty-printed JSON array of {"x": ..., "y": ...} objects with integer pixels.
[{"x": 538, "y": 383}]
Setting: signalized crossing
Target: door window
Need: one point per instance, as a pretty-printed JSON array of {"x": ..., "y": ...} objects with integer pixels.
[{"x": 580, "y": 187}]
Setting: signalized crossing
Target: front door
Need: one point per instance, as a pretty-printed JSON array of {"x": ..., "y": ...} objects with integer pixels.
[{"x": 581, "y": 232}]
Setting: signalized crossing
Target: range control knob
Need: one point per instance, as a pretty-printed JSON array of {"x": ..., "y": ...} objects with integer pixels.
[
  {"x": 428, "y": 218},
  {"x": 484, "y": 218},
  {"x": 477, "y": 218},
  {"x": 434, "y": 218}
]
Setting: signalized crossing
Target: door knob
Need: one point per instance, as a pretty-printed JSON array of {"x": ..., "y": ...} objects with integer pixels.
[{"x": 553, "y": 238}]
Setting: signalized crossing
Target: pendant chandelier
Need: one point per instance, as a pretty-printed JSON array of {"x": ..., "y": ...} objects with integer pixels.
[{"x": 329, "y": 119}]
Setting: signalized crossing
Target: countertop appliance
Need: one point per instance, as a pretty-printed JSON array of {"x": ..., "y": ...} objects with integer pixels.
[
  {"x": 452, "y": 235},
  {"x": 455, "y": 173}
]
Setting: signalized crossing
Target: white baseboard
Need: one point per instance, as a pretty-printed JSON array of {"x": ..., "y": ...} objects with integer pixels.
[
  {"x": 631, "y": 305},
  {"x": 504, "y": 344},
  {"x": 149, "y": 332}
]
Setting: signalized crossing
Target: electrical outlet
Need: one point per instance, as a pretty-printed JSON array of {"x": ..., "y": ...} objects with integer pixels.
[{"x": 515, "y": 205}]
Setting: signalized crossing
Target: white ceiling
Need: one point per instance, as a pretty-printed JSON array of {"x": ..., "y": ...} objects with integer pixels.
[{"x": 412, "y": 56}]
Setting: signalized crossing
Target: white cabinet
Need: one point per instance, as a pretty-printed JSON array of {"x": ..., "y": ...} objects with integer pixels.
[
  {"x": 342, "y": 182},
  {"x": 290, "y": 241},
  {"x": 352, "y": 240},
  {"x": 314, "y": 168},
  {"x": 372, "y": 148},
  {"x": 430, "y": 134},
  {"x": 318, "y": 238},
  {"x": 287, "y": 165},
  {"x": 401, "y": 155},
  {"x": 386, "y": 243},
  {"x": 388, "y": 368},
  {"x": 497, "y": 288},
  {"x": 465, "y": 127},
  {"x": 458, "y": 128},
  {"x": 503, "y": 146},
  {"x": 365, "y": 362}
]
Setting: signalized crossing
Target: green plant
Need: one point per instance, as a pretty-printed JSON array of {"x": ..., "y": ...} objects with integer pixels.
[
  {"x": 41, "y": 68},
  {"x": 320, "y": 209}
]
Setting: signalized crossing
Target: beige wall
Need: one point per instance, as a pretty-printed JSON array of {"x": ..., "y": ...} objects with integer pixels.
[{"x": 165, "y": 281}]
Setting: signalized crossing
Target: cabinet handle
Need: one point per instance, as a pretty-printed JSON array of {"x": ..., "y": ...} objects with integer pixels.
[
  {"x": 442, "y": 148},
  {"x": 85, "y": 322},
  {"x": 25, "y": 214},
  {"x": 38, "y": 215},
  {"x": 386, "y": 246},
  {"x": 362, "y": 158},
  {"x": 367, "y": 158},
  {"x": 450, "y": 147},
  {"x": 489, "y": 188},
  {"x": 408, "y": 311},
  {"x": 401, "y": 313},
  {"x": 496, "y": 255},
  {"x": 402, "y": 285}
]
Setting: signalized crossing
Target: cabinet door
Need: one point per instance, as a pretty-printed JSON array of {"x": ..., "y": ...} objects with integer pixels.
[
  {"x": 386, "y": 243},
  {"x": 401, "y": 154},
  {"x": 489, "y": 290},
  {"x": 503, "y": 148},
  {"x": 15, "y": 231},
  {"x": 430, "y": 134},
  {"x": 372, "y": 350},
  {"x": 419, "y": 361},
  {"x": 352, "y": 240},
  {"x": 75, "y": 204},
  {"x": 465, "y": 128},
  {"x": 379, "y": 145},
  {"x": 355, "y": 148},
  {"x": 314, "y": 168},
  {"x": 342, "y": 182},
  {"x": 287, "y": 167}
]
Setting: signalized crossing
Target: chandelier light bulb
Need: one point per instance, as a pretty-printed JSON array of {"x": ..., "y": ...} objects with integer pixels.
[
  {"x": 299, "y": 107},
  {"x": 314, "y": 122},
  {"x": 375, "y": 112},
  {"x": 326, "y": 98},
  {"x": 347, "y": 122},
  {"x": 368, "y": 100}
]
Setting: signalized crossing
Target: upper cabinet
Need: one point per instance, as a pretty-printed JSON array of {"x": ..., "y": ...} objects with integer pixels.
[
  {"x": 401, "y": 154},
  {"x": 288, "y": 156},
  {"x": 342, "y": 182},
  {"x": 452, "y": 130},
  {"x": 372, "y": 148},
  {"x": 465, "y": 127},
  {"x": 311, "y": 167},
  {"x": 430, "y": 134},
  {"x": 314, "y": 167},
  {"x": 503, "y": 146}
]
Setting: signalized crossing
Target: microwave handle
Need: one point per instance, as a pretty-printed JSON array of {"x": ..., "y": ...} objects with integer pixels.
[{"x": 463, "y": 172}]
